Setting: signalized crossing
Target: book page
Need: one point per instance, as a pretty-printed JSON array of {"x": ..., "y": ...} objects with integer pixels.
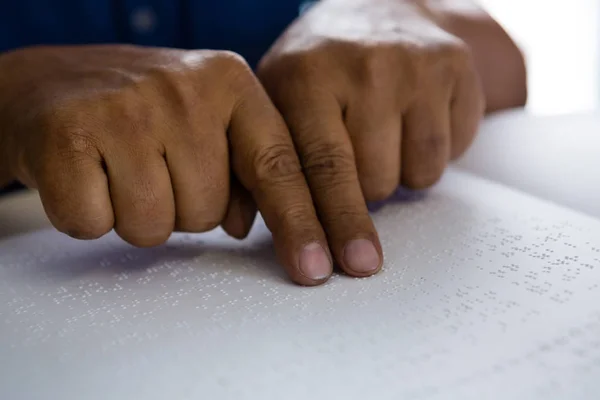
[
  {"x": 552, "y": 157},
  {"x": 485, "y": 294}
]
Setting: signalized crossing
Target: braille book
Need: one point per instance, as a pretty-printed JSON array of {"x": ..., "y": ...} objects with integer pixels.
[{"x": 486, "y": 293}]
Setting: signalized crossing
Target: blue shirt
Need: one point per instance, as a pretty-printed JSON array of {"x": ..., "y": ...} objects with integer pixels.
[{"x": 247, "y": 27}]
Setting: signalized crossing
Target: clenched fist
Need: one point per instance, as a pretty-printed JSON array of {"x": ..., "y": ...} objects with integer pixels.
[
  {"x": 376, "y": 94},
  {"x": 377, "y": 88},
  {"x": 142, "y": 139}
]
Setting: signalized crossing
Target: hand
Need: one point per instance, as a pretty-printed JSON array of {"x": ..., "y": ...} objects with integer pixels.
[
  {"x": 136, "y": 139},
  {"x": 375, "y": 95}
]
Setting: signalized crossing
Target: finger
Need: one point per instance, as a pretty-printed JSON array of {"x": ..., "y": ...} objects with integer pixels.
[
  {"x": 241, "y": 211},
  {"x": 199, "y": 172},
  {"x": 142, "y": 196},
  {"x": 328, "y": 160},
  {"x": 74, "y": 191},
  {"x": 265, "y": 162},
  {"x": 467, "y": 110},
  {"x": 425, "y": 148},
  {"x": 375, "y": 131}
]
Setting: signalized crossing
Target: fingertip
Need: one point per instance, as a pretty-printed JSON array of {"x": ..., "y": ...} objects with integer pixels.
[
  {"x": 77, "y": 203},
  {"x": 311, "y": 265},
  {"x": 241, "y": 214},
  {"x": 362, "y": 257},
  {"x": 146, "y": 240},
  {"x": 374, "y": 191},
  {"x": 302, "y": 280},
  {"x": 314, "y": 263},
  {"x": 237, "y": 228},
  {"x": 86, "y": 231},
  {"x": 421, "y": 180}
]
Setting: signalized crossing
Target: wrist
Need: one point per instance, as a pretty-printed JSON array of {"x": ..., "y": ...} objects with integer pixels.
[{"x": 499, "y": 61}]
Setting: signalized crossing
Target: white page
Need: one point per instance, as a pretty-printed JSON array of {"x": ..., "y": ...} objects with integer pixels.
[
  {"x": 485, "y": 294},
  {"x": 556, "y": 158}
]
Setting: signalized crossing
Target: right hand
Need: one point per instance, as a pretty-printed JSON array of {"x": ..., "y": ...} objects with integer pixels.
[{"x": 141, "y": 140}]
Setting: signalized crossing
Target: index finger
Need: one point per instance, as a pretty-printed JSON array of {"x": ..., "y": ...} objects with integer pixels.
[
  {"x": 266, "y": 163},
  {"x": 315, "y": 119},
  {"x": 329, "y": 163}
]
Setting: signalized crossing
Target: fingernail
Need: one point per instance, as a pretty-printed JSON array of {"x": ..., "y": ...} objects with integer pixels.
[
  {"x": 314, "y": 262},
  {"x": 361, "y": 256}
]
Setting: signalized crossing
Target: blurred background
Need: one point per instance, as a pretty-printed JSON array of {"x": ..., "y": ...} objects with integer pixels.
[{"x": 561, "y": 41}]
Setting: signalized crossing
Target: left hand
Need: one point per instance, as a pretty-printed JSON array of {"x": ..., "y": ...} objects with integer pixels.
[{"x": 375, "y": 94}]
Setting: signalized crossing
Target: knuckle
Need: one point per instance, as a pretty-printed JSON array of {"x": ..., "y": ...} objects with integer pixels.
[
  {"x": 85, "y": 228},
  {"x": 174, "y": 86},
  {"x": 65, "y": 141},
  {"x": 199, "y": 221},
  {"x": 463, "y": 138},
  {"x": 146, "y": 225},
  {"x": 423, "y": 177},
  {"x": 342, "y": 215},
  {"x": 139, "y": 239},
  {"x": 77, "y": 145},
  {"x": 449, "y": 57},
  {"x": 145, "y": 204},
  {"x": 197, "y": 226},
  {"x": 66, "y": 128},
  {"x": 130, "y": 113},
  {"x": 452, "y": 47},
  {"x": 294, "y": 220},
  {"x": 377, "y": 190},
  {"x": 232, "y": 59},
  {"x": 441, "y": 58},
  {"x": 434, "y": 145},
  {"x": 236, "y": 80},
  {"x": 302, "y": 65},
  {"x": 286, "y": 76},
  {"x": 132, "y": 118},
  {"x": 81, "y": 126},
  {"x": 294, "y": 66},
  {"x": 415, "y": 53},
  {"x": 276, "y": 163},
  {"x": 329, "y": 161},
  {"x": 232, "y": 65},
  {"x": 295, "y": 212},
  {"x": 425, "y": 160},
  {"x": 374, "y": 64},
  {"x": 421, "y": 181}
]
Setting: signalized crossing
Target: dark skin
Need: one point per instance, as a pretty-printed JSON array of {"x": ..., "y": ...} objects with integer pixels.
[{"x": 354, "y": 99}]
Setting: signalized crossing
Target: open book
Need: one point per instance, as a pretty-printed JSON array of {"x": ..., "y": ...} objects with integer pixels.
[{"x": 486, "y": 293}]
